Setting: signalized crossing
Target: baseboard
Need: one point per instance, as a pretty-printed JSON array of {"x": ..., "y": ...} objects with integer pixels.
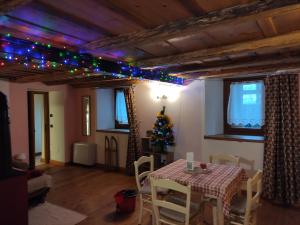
[
  {"x": 58, "y": 163},
  {"x": 97, "y": 165}
]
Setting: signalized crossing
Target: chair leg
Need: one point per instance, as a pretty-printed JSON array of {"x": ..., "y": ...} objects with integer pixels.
[
  {"x": 141, "y": 210},
  {"x": 153, "y": 218},
  {"x": 215, "y": 215},
  {"x": 254, "y": 219}
]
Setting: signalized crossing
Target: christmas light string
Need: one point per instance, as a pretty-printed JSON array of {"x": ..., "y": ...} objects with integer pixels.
[{"x": 42, "y": 56}]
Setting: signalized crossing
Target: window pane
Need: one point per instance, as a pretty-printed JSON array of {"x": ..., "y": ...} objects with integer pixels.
[
  {"x": 246, "y": 105},
  {"x": 249, "y": 99},
  {"x": 249, "y": 87},
  {"x": 121, "y": 111}
]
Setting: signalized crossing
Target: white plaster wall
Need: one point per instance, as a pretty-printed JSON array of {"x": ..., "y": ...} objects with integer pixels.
[
  {"x": 105, "y": 109},
  {"x": 214, "y": 106},
  {"x": 190, "y": 123},
  {"x": 147, "y": 109},
  {"x": 186, "y": 113},
  {"x": 122, "y": 142},
  {"x": 248, "y": 150}
]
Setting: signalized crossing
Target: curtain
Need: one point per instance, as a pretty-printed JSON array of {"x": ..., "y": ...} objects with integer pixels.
[
  {"x": 281, "y": 174},
  {"x": 246, "y": 104},
  {"x": 121, "y": 111},
  {"x": 134, "y": 149}
]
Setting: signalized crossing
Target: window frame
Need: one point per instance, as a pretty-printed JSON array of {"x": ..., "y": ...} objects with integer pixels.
[
  {"x": 117, "y": 124},
  {"x": 228, "y": 129}
]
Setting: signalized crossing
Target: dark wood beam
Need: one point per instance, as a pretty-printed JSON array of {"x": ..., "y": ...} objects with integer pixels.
[
  {"x": 127, "y": 15},
  {"x": 44, "y": 28},
  {"x": 277, "y": 43},
  {"x": 267, "y": 26},
  {"x": 193, "y": 7},
  {"x": 100, "y": 82},
  {"x": 9, "y": 5},
  {"x": 105, "y": 84},
  {"x": 251, "y": 61},
  {"x": 19, "y": 34},
  {"x": 48, "y": 8},
  {"x": 246, "y": 71},
  {"x": 256, "y": 9}
]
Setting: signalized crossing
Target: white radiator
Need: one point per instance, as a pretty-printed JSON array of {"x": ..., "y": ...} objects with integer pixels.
[{"x": 84, "y": 153}]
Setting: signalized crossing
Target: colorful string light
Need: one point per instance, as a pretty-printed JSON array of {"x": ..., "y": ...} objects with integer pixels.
[{"x": 38, "y": 55}]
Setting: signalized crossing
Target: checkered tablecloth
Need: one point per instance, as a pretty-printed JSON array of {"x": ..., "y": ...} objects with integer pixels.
[{"x": 223, "y": 181}]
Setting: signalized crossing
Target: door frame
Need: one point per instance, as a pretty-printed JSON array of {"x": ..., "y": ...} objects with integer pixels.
[{"x": 31, "y": 119}]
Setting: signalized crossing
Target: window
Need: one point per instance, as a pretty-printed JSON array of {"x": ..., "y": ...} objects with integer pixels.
[
  {"x": 121, "y": 118},
  {"x": 244, "y": 106}
]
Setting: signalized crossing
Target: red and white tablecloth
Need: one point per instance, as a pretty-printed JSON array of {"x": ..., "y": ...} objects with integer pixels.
[{"x": 223, "y": 181}]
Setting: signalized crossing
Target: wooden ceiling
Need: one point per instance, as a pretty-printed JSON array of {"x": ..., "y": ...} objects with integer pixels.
[{"x": 190, "y": 37}]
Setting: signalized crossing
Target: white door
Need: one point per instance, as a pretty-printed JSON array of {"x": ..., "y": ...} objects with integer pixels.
[{"x": 57, "y": 126}]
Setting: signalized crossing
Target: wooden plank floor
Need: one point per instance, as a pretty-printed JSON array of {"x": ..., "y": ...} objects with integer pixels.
[{"x": 90, "y": 192}]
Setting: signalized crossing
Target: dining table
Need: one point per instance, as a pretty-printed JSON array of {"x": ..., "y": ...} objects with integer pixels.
[{"x": 222, "y": 182}]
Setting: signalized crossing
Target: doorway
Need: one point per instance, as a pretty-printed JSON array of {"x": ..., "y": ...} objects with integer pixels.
[{"x": 38, "y": 118}]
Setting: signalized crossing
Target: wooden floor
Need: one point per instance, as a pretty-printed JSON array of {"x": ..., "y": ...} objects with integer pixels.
[{"x": 90, "y": 192}]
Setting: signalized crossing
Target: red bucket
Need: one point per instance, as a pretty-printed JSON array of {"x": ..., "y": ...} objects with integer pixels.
[{"x": 125, "y": 201}]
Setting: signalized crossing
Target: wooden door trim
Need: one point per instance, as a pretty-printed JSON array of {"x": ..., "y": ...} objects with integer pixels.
[{"x": 30, "y": 97}]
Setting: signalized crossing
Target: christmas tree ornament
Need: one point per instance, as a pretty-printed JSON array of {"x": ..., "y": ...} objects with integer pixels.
[{"x": 162, "y": 135}]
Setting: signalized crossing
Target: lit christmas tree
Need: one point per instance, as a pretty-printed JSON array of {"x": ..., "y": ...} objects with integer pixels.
[{"x": 162, "y": 134}]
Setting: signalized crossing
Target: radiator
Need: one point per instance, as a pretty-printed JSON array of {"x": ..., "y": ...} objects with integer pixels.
[{"x": 84, "y": 153}]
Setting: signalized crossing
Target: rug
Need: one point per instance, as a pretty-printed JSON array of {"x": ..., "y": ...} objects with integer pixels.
[{"x": 49, "y": 214}]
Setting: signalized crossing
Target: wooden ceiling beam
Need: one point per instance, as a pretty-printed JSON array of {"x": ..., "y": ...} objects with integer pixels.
[
  {"x": 44, "y": 28},
  {"x": 193, "y": 7},
  {"x": 239, "y": 63},
  {"x": 267, "y": 26},
  {"x": 48, "y": 8},
  {"x": 256, "y": 9},
  {"x": 245, "y": 71},
  {"x": 100, "y": 82},
  {"x": 277, "y": 43},
  {"x": 127, "y": 15},
  {"x": 9, "y": 5},
  {"x": 19, "y": 34},
  {"x": 105, "y": 84}
]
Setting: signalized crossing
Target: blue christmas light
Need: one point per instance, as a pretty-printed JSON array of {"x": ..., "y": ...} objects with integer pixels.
[{"x": 39, "y": 55}]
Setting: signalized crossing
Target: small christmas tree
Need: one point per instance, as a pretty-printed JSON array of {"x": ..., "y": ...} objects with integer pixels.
[{"x": 162, "y": 134}]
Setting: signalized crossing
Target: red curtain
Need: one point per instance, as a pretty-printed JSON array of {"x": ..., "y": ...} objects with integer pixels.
[
  {"x": 281, "y": 174},
  {"x": 134, "y": 147}
]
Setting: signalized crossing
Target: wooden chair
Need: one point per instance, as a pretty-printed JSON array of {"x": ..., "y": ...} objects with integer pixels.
[
  {"x": 224, "y": 159},
  {"x": 219, "y": 159},
  {"x": 173, "y": 210},
  {"x": 248, "y": 165},
  {"x": 144, "y": 189},
  {"x": 244, "y": 209}
]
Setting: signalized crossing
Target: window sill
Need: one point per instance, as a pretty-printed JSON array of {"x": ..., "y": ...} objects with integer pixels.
[
  {"x": 239, "y": 138},
  {"x": 120, "y": 131}
]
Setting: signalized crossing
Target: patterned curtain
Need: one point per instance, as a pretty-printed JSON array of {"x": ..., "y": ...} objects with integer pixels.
[
  {"x": 134, "y": 149},
  {"x": 281, "y": 175}
]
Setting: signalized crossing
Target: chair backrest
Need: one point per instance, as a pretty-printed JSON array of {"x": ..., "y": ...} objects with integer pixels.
[
  {"x": 141, "y": 176},
  {"x": 254, "y": 190},
  {"x": 158, "y": 203},
  {"x": 247, "y": 164},
  {"x": 224, "y": 159}
]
